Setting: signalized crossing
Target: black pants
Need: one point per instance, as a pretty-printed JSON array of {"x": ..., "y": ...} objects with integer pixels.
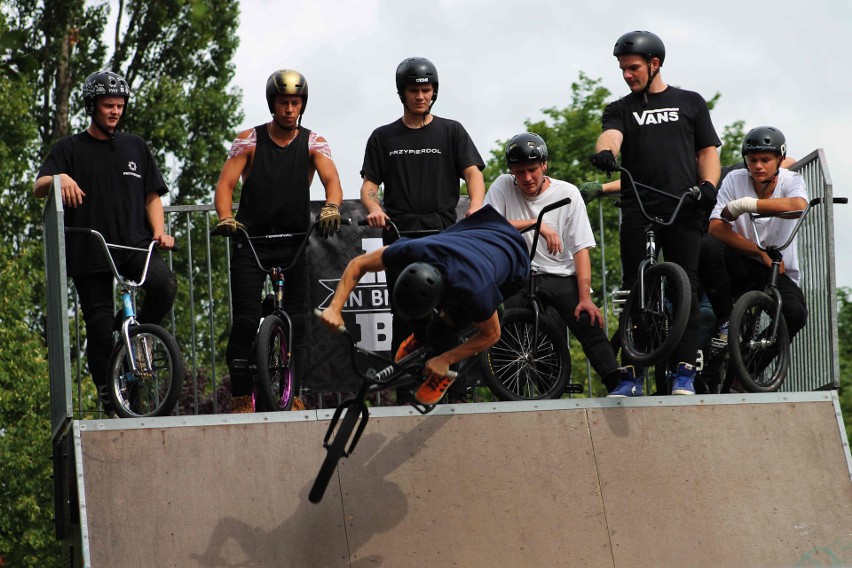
[
  {"x": 561, "y": 292},
  {"x": 97, "y": 300},
  {"x": 726, "y": 274},
  {"x": 247, "y": 281},
  {"x": 679, "y": 243}
]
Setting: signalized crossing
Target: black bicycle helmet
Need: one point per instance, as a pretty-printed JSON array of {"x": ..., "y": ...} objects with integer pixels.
[
  {"x": 286, "y": 82},
  {"x": 640, "y": 42},
  {"x": 416, "y": 71},
  {"x": 525, "y": 148},
  {"x": 417, "y": 290},
  {"x": 101, "y": 84},
  {"x": 765, "y": 139}
]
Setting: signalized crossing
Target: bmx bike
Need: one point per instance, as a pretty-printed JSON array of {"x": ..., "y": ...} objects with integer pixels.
[
  {"x": 351, "y": 416},
  {"x": 758, "y": 340},
  {"x": 276, "y": 379},
  {"x": 656, "y": 310},
  {"x": 145, "y": 368},
  {"x": 531, "y": 360}
]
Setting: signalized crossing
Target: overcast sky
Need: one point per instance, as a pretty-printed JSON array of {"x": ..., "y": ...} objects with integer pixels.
[{"x": 500, "y": 62}]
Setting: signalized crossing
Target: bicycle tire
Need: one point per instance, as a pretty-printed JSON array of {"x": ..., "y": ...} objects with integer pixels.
[
  {"x": 759, "y": 368},
  {"x": 276, "y": 382},
  {"x": 335, "y": 451},
  {"x": 649, "y": 335},
  {"x": 154, "y": 388},
  {"x": 508, "y": 367}
]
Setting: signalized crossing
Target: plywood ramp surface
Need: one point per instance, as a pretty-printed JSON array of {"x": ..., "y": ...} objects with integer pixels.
[{"x": 657, "y": 482}]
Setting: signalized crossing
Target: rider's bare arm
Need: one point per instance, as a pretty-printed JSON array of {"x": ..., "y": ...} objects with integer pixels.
[
  {"x": 329, "y": 177},
  {"x": 238, "y": 165},
  {"x": 487, "y": 334},
  {"x": 157, "y": 219},
  {"x": 370, "y": 200},
  {"x": 355, "y": 270},
  {"x": 610, "y": 140},
  {"x": 583, "y": 267},
  {"x": 709, "y": 165},
  {"x": 475, "y": 182},
  {"x": 723, "y": 231},
  {"x": 72, "y": 195}
]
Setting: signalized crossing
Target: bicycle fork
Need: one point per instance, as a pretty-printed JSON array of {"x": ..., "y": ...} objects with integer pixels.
[{"x": 138, "y": 352}]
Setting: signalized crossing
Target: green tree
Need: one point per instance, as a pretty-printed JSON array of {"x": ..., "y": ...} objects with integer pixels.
[
  {"x": 844, "y": 333},
  {"x": 176, "y": 55}
]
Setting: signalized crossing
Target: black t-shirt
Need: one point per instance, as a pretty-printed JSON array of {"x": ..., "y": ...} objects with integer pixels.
[
  {"x": 420, "y": 169},
  {"x": 116, "y": 176},
  {"x": 660, "y": 143},
  {"x": 276, "y": 197},
  {"x": 482, "y": 258}
]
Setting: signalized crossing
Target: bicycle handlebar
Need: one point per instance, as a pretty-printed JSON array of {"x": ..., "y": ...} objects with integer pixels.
[
  {"x": 216, "y": 232},
  {"x": 798, "y": 215},
  {"x": 106, "y": 248},
  {"x": 690, "y": 193},
  {"x": 536, "y": 227}
]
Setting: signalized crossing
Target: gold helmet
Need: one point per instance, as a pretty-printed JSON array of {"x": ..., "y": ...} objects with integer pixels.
[{"x": 286, "y": 82}]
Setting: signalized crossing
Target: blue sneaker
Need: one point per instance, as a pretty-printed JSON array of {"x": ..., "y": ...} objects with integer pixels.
[
  {"x": 683, "y": 379},
  {"x": 630, "y": 385}
]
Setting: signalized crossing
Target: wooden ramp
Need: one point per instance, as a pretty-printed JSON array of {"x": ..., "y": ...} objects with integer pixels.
[{"x": 729, "y": 480}]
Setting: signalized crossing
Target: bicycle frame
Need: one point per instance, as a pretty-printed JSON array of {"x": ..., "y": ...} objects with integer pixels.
[
  {"x": 393, "y": 375},
  {"x": 774, "y": 252},
  {"x": 536, "y": 304},
  {"x": 650, "y": 237},
  {"x": 127, "y": 286}
]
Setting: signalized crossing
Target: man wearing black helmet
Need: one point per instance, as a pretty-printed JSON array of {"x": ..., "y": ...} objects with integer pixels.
[
  {"x": 420, "y": 160},
  {"x": 110, "y": 183},
  {"x": 276, "y": 163},
  {"x": 446, "y": 281},
  {"x": 666, "y": 140},
  {"x": 565, "y": 271},
  {"x": 763, "y": 187}
]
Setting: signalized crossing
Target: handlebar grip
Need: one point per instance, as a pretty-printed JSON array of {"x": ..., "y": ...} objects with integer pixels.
[
  {"x": 453, "y": 375},
  {"x": 841, "y": 200},
  {"x": 340, "y": 329}
]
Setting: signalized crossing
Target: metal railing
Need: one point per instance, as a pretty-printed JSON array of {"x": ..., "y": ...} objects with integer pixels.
[{"x": 815, "y": 359}]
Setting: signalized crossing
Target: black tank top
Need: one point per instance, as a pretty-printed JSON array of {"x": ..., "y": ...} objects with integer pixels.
[{"x": 276, "y": 197}]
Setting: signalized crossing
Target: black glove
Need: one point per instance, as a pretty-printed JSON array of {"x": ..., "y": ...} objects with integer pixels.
[
  {"x": 707, "y": 200},
  {"x": 604, "y": 161},
  {"x": 329, "y": 220},
  {"x": 228, "y": 226},
  {"x": 590, "y": 190}
]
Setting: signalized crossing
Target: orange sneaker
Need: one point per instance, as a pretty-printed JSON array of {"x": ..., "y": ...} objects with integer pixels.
[
  {"x": 433, "y": 390},
  {"x": 407, "y": 347}
]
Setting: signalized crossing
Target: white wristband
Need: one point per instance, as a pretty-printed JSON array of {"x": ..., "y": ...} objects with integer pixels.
[{"x": 742, "y": 205}]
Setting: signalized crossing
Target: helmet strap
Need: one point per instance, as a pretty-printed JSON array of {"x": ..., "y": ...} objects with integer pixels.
[
  {"x": 651, "y": 76},
  {"x": 108, "y": 133}
]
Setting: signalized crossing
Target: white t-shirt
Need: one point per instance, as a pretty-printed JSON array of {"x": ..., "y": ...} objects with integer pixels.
[
  {"x": 772, "y": 230},
  {"x": 571, "y": 222}
]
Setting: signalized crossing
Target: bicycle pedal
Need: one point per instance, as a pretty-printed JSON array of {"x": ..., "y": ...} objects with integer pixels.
[
  {"x": 423, "y": 408},
  {"x": 241, "y": 364},
  {"x": 718, "y": 344}
]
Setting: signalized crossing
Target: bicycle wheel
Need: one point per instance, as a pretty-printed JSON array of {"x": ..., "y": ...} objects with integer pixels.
[
  {"x": 511, "y": 370},
  {"x": 276, "y": 384},
  {"x": 335, "y": 451},
  {"x": 760, "y": 366},
  {"x": 153, "y": 388},
  {"x": 650, "y": 334}
]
